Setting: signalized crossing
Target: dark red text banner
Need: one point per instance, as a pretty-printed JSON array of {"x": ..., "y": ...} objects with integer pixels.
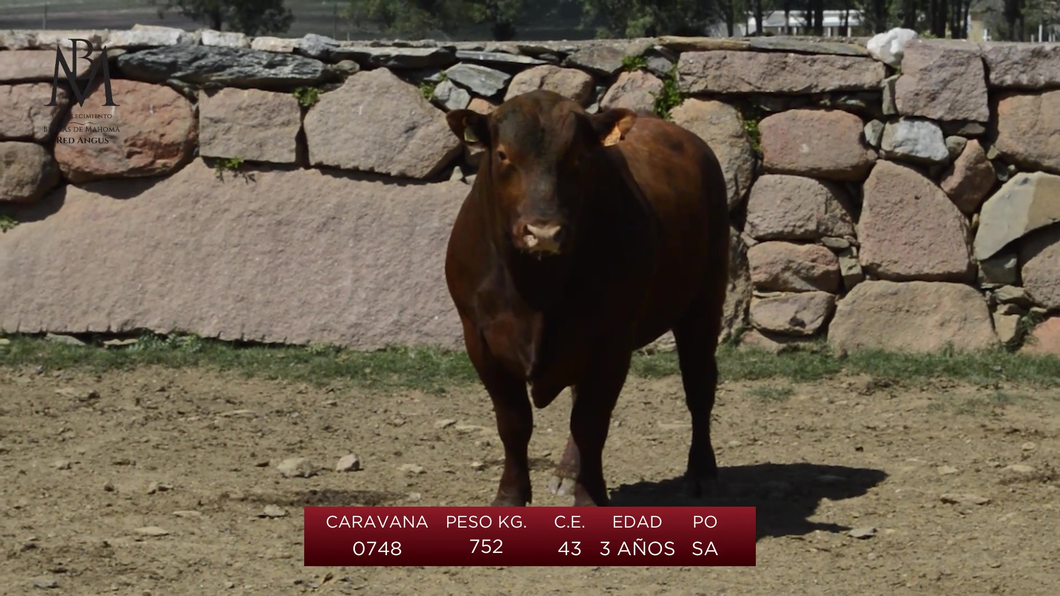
[{"x": 525, "y": 536}]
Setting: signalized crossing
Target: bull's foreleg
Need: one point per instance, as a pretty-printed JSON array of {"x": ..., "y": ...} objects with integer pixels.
[
  {"x": 589, "y": 423},
  {"x": 515, "y": 421}
]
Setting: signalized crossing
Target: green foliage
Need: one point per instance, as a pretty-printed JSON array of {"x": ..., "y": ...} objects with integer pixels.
[
  {"x": 427, "y": 89},
  {"x": 7, "y": 223},
  {"x": 751, "y": 115},
  {"x": 252, "y": 17},
  {"x": 634, "y": 63},
  {"x": 307, "y": 96},
  {"x": 648, "y": 18},
  {"x": 420, "y": 18},
  {"x": 1026, "y": 324},
  {"x": 775, "y": 394},
  {"x": 670, "y": 96},
  {"x": 230, "y": 164},
  {"x": 434, "y": 370}
]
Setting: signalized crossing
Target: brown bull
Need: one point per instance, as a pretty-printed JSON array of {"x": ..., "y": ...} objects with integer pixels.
[{"x": 584, "y": 238}]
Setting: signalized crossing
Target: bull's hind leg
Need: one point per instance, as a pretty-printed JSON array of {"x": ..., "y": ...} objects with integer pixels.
[{"x": 697, "y": 340}]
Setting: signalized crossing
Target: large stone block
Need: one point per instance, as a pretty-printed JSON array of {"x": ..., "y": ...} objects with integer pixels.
[
  {"x": 293, "y": 256},
  {"x": 605, "y": 57},
  {"x": 27, "y": 66},
  {"x": 568, "y": 82},
  {"x": 800, "y": 314},
  {"x": 152, "y": 131},
  {"x": 816, "y": 143},
  {"x": 1044, "y": 339},
  {"x": 910, "y": 230},
  {"x": 634, "y": 91},
  {"x": 784, "y": 207},
  {"x": 916, "y": 317},
  {"x": 915, "y": 140},
  {"x": 1028, "y": 130},
  {"x": 1030, "y": 66},
  {"x": 1040, "y": 267},
  {"x": 249, "y": 123},
  {"x": 224, "y": 39},
  {"x": 775, "y": 72},
  {"x": 149, "y": 36},
  {"x": 351, "y": 128},
  {"x": 479, "y": 79},
  {"x": 788, "y": 267},
  {"x": 1025, "y": 203},
  {"x": 26, "y": 115},
  {"x": 942, "y": 80},
  {"x": 232, "y": 67},
  {"x": 27, "y": 171},
  {"x": 49, "y": 39},
  {"x": 970, "y": 178},
  {"x": 279, "y": 45},
  {"x": 720, "y": 126}
]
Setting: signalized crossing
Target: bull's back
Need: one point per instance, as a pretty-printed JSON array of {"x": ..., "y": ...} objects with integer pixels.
[{"x": 682, "y": 180}]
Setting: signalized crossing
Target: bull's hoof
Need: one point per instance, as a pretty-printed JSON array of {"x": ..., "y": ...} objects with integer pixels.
[
  {"x": 702, "y": 487},
  {"x": 508, "y": 501},
  {"x": 560, "y": 486},
  {"x": 584, "y": 500}
]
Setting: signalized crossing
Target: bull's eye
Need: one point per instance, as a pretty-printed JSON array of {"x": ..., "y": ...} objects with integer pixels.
[{"x": 501, "y": 155}]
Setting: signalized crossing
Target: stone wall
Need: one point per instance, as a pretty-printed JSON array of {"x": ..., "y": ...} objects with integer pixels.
[{"x": 302, "y": 190}]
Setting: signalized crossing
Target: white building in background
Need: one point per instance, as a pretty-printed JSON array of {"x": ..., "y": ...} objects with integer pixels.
[{"x": 837, "y": 23}]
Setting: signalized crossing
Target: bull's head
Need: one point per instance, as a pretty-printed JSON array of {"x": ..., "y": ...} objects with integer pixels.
[{"x": 535, "y": 149}]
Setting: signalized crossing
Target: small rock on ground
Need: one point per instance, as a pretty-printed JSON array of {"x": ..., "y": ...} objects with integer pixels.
[
  {"x": 45, "y": 583},
  {"x": 273, "y": 511},
  {"x": 152, "y": 531},
  {"x": 862, "y": 533},
  {"x": 348, "y": 463},
  {"x": 412, "y": 469},
  {"x": 297, "y": 467}
]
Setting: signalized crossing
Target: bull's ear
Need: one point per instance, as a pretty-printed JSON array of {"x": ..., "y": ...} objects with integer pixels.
[
  {"x": 612, "y": 125},
  {"x": 470, "y": 127}
]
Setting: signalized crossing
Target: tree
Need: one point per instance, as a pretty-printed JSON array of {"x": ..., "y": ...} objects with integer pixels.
[
  {"x": 759, "y": 9},
  {"x": 500, "y": 15},
  {"x": 252, "y": 17},
  {"x": 648, "y": 18},
  {"x": 876, "y": 14},
  {"x": 419, "y": 18},
  {"x": 959, "y": 18}
]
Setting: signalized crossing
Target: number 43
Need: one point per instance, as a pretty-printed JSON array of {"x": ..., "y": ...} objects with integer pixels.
[{"x": 574, "y": 548}]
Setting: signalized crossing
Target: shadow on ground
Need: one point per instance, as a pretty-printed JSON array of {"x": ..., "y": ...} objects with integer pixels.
[
  {"x": 329, "y": 498},
  {"x": 785, "y": 495}
]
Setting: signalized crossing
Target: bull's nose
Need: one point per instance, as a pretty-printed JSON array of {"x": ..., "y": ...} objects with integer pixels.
[{"x": 542, "y": 238}]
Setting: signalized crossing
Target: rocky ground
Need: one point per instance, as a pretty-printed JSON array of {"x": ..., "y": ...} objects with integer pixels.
[{"x": 166, "y": 481}]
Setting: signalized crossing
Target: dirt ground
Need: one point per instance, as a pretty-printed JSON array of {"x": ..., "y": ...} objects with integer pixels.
[{"x": 194, "y": 452}]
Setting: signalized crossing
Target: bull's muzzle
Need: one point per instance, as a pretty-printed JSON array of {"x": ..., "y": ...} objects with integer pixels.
[{"x": 541, "y": 238}]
